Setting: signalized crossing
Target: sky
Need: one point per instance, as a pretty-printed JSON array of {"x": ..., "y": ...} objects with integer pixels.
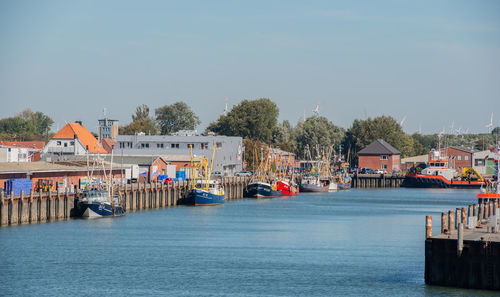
[{"x": 432, "y": 63}]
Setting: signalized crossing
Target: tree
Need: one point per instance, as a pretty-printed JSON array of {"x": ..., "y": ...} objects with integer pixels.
[
  {"x": 175, "y": 117},
  {"x": 496, "y": 130},
  {"x": 27, "y": 125},
  {"x": 316, "y": 133},
  {"x": 284, "y": 136},
  {"x": 254, "y": 119},
  {"x": 141, "y": 122},
  {"x": 424, "y": 143},
  {"x": 364, "y": 132}
]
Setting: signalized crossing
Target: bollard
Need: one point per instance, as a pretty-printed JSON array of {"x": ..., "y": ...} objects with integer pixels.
[
  {"x": 444, "y": 222},
  {"x": 458, "y": 217},
  {"x": 464, "y": 215},
  {"x": 475, "y": 209},
  {"x": 428, "y": 227},
  {"x": 451, "y": 220},
  {"x": 460, "y": 239}
]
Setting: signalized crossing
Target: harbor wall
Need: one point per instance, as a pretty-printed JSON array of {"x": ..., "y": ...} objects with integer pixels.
[
  {"x": 466, "y": 253},
  {"x": 377, "y": 181},
  {"x": 39, "y": 207}
]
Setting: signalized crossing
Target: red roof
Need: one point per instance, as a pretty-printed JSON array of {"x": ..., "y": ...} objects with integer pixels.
[
  {"x": 38, "y": 145},
  {"x": 108, "y": 144},
  {"x": 70, "y": 130}
]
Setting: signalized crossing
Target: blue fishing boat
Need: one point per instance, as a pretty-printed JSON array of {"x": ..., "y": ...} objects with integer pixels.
[
  {"x": 206, "y": 194},
  {"x": 260, "y": 189},
  {"x": 97, "y": 203}
]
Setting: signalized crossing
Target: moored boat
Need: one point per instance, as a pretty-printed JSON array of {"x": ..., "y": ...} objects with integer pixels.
[
  {"x": 437, "y": 174},
  {"x": 97, "y": 203},
  {"x": 203, "y": 194},
  {"x": 316, "y": 183},
  {"x": 260, "y": 189}
]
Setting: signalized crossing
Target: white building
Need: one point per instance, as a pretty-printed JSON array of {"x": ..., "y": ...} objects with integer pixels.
[
  {"x": 73, "y": 139},
  {"x": 11, "y": 154}
]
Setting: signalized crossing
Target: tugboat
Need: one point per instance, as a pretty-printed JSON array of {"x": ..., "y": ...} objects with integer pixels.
[
  {"x": 96, "y": 204},
  {"x": 437, "y": 174},
  {"x": 262, "y": 189}
]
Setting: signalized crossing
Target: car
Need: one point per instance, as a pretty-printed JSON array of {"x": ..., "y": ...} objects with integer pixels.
[
  {"x": 168, "y": 181},
  {"x": 379, "y": 171},
  {"x": 243, "y": 173},
  {"x": 367, "y": 171},
  {"x": 217, "y": 174}
]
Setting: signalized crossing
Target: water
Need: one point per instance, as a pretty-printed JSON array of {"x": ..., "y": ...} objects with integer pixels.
[{"x": 354, "y": 243}]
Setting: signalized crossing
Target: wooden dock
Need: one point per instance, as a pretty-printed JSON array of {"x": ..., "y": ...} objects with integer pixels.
[
  {"x": 377, "y": 180},
  {"x": 56, "y": 206},
  {"x": 466, "y": 253}
]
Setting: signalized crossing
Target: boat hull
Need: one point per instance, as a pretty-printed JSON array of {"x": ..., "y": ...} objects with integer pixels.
[
  {"x": 286, "y": 189},
  {"x": 310, "y": 188},
  {"x": 260, "y": 190},
  {"x": 437, "y": 181},
  {"x": 201, "y": 197},
  {"x": 97, "y": 210}
]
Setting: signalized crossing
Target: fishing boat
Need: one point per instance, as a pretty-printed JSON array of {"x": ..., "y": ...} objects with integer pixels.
[
  {"x": 438, "y": 174},
  {"x": 204, "y": 190},
  {"x": 262, "y": 189},
  {"x": 211, "y": 193},
  {"x": 98, "y": 203},
  {"x": 316, "y": 183},
  {"x": 287, "y": 187}
]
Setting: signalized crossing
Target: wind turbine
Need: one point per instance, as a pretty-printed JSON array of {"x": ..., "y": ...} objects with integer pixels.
[
  {"x": 402, "y": 122},
  {"x": 316, "y": 110},
  {"x": 489, "y": 126}
]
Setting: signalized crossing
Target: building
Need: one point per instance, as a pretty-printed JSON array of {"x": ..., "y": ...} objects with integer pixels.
[
  {"x": 483, "y": 162},
  {"x": 380, "y": 155},
  {"x": 14, "y": 154},
  {"x": 73, "y": 139},
  {"x": 228, "y": 150},
  {"x": 34, "y": 149},
  {"x": 415, "y": 161},
  {"x": 107, "y": 129},
  {"x": 108, "y": 144},
  {"x": 59, "y": 177},
  {"x": 458, "y": 157}
]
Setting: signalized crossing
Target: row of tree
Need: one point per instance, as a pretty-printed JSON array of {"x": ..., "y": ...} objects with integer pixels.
[
  {"x": 27, "y": 125},
  {"x": 257, "y": 122}
]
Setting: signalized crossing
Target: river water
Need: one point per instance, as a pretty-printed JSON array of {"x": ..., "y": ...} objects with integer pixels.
[{"x": 353, "y": 243}]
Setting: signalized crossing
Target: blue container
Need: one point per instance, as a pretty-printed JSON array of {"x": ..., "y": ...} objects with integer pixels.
[
  {"x": 15, "y": 186},
  {"x": 180, "y": 175},
  {"x": 162, "y": 177}
]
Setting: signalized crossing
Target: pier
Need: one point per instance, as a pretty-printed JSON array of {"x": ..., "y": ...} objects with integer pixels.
[
  {"x": 40, "y": 207},
  {"x": 377, "y": 180},
  {"x": 466, "y": 253}
]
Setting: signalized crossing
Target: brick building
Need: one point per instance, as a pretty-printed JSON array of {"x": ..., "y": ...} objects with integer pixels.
[
  {"x": 380, "y": 155},
  {"x": 458, "y": 157}
]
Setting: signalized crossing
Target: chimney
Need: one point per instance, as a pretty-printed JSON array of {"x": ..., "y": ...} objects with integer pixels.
[{"x": 79, "y": 122}]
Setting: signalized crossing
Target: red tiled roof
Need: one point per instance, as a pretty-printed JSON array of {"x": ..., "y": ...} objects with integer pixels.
[
  {"x": 86, "y": 138},
  {"x": 24, "y": 144},
  {"x": 108, "y": 144}
]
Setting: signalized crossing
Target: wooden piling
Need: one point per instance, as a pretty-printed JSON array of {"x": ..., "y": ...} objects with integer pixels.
[
  {"x": 428, "y": 226},
  {"x": 444, "y": 222},
  {"x": 451, "y": 220},
  {"x": 460, "y": 239}
]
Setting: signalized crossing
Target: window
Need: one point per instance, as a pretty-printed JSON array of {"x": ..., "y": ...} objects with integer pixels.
[
  {"x": 58, "y": 143},
  {"x": 190, "y": 145},
  {"x": 159, "y": 145},
  {"x": 65, "y": 144},
  {"x": 384, "y": 157},
  {"x": 459, "y": 157},
  {"x": 72, "y": 143},
  {"x": 219, "y": 144},
  {"x": 174, "y": 145},
  {"x": 466, "y": 157},
  {"x": 384, "y": 166},
  {"x": 147, "y": 145},
  {"x": 479, "y": 162},
  {"x": 142, "y": 145}
]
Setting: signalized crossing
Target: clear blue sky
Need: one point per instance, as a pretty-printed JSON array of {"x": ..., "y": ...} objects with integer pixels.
[{"x": 435, "y": 62}]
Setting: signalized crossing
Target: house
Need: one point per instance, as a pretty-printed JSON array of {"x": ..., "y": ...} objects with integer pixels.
[
  {"x": 32, "y": 150},
  {"x": 73, "y": 139},
  {"x": 380, "y": 155},
  {"x": 483, "y": 162},
  {"x": 108, "y": 144},
  {"x": 107, "y": 129}
]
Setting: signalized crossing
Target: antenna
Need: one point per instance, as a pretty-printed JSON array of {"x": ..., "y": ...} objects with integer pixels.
[{"x": 104, "y": 112}]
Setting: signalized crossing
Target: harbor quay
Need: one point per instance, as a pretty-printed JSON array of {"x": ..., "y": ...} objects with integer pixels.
[
  {"x": 50, "y": 206},
  {"x": 466, "y": 252}
]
